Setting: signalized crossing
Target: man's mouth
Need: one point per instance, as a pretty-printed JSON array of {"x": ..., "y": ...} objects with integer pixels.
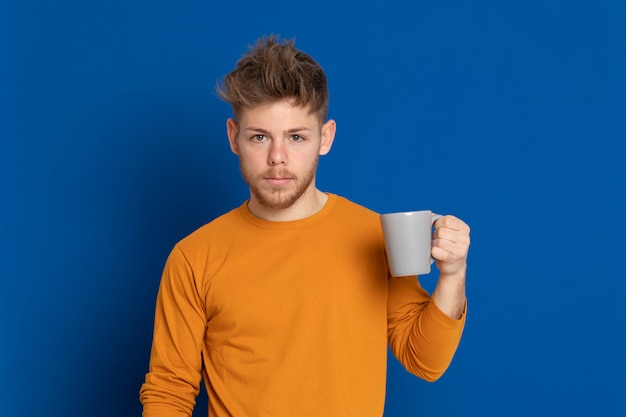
[{"x": 278, "y": 181}]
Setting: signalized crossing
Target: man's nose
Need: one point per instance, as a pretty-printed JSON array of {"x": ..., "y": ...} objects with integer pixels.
[{"x": 277, "y": 155}]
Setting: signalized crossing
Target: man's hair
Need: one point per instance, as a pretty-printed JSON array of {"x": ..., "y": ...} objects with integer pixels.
[{"x": 274, "y": 70}]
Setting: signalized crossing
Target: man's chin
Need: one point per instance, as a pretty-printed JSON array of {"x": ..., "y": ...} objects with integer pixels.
[
  {"x": 276, "y": 203},
  {"x": 276, "y": 200}
]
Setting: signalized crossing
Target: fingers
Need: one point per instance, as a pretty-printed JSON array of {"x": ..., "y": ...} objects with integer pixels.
[
  {"x": 451, "y": 240},
  {"x": 452, "y": 223}
]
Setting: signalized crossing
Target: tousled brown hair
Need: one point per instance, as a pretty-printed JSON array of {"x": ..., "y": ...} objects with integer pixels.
[{"x": 274, "y": 70}]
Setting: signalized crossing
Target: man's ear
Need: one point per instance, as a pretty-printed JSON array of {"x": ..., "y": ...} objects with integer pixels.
[
  {"x": 328, "y": 136},
  {"x": 233, "y": 132}
]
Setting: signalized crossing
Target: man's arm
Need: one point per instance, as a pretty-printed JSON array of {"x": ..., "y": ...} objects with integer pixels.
[
  {"x": 451, "y": 242},
  {"x": 424, "y": 331},
  {"x": 173, "y": 381}
]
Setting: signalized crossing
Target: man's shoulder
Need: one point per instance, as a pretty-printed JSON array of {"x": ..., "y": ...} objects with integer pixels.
[
  {"x": 352, "y": 208},
  {"x": 351, "y": 215},
  {"x": 224, "y": 224}
]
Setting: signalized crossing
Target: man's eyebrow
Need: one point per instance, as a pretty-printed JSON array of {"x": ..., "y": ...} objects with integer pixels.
[
  {"x": 257, "y": 130},
  {"x": 299, "y": 129},
  {"x": 288, "y": 131}
]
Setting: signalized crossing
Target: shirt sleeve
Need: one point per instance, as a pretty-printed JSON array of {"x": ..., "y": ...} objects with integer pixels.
[
  {"x": 173, "y": 381},
  {"x": 420, "y": 335}
]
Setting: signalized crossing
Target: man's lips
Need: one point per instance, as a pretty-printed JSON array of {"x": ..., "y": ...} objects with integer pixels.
[{"x": 277, "y": 181}]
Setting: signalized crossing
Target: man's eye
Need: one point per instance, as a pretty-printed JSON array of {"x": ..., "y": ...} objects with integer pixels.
[
  {"x": 258, "y": 138},
  {"x": 297, "y": 138}
]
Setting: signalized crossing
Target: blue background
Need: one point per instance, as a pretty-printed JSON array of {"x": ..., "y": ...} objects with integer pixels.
[{"x": 510, "y": 115}]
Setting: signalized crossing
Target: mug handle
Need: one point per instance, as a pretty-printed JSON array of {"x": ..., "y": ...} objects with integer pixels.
[{"x": 434, "y": 218}]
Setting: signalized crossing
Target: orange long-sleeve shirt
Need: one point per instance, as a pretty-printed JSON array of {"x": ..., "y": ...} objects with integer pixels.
[{"x": 289, "y": 318}]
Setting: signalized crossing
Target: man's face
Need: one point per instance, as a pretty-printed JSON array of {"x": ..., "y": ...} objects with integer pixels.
[{"x": 278, "y": 147}]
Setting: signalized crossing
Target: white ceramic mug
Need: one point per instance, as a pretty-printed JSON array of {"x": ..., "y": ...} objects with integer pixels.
[{"x": 408, "y": 241}]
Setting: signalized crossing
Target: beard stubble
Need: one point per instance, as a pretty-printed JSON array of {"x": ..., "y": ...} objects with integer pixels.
[{"x": 278, "y": 198}]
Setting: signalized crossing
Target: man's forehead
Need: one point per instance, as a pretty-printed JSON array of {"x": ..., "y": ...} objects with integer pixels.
[{"x": 282, "y": 113}]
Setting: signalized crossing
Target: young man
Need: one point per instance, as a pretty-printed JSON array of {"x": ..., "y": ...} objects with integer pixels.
[{"x": 285, "y": 305}]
